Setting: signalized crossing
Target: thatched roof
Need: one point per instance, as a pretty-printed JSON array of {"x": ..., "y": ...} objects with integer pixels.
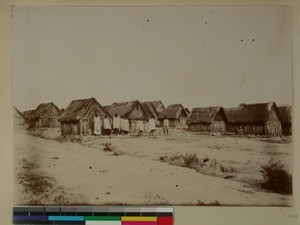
[
  {"x": 78, "y": 108},
  {"x": 39, "y": 111},
  {"x": 151, "y": 107},
  {"x": 173, "y": 112},
  {"x": 251, "y": 113},
  {"x": 18, "y": 112},
  {"x": 187, "y": 110},
  {"x": 204, "y": 115},
  {"x": 131, "y": 110},
  {"x": 158, "y": 105},
  {"x": 286, "y": 114},
  {"x": 148, "y": 109},
  {"x": 29, "y": 114},
  {"x": 175, "y": 106}
]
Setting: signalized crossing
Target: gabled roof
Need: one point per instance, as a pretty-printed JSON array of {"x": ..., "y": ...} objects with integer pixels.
[
  {"x": 204, "y": 114},
  {"x": 29, "y": 114},
  {"x": 251, "y": 113},
  {"x": 173, "y": 112},
  {"x": 77, "y": 109},
  {"x": 148, "y": 109},
  {"x": 151, "y": 107},
  {"x": 21, "y": 114},
  {"x": 157, "y": 105},
  {"x": 39, "y": 111},
  {"x": 286, "y": 114},
  {"x": 127, "y": 110}
]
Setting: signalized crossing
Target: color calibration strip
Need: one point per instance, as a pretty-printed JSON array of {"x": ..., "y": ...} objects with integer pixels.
[{"x": 93, "y": 215}]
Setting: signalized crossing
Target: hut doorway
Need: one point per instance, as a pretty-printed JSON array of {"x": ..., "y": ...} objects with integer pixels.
[{"x": 51, "y": 121}]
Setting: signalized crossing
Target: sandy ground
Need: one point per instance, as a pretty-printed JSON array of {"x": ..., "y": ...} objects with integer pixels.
[{"x": 132, "y": 174}]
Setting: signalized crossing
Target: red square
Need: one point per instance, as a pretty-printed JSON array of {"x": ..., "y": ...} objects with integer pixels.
[{"x": 165, "y": 220}]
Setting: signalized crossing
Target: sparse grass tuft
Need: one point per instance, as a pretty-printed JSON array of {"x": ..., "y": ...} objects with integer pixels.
[
  {"x": 206, "y": 165},
  {"x": 71, "y": 138},
  {"x": 215, "y": 203}
]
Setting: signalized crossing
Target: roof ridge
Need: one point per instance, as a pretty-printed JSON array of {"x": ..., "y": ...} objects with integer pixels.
[
  {"x": 153, "y": 107},
  {"x": 48, "y": 105},
  {"x": 89, "y": 104}
]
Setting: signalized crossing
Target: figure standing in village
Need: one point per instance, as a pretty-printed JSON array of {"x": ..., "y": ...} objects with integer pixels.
[
  {"x": 151, "y": 126},
  {"x": 166, "y": 126},
  {"x": 106, "y": 125},
  {"x": 139, "y": 127},
  {"x": 124, "y": 125},
  {"x": 116, "y": 124},
  {"x": 97, "y": 124}
]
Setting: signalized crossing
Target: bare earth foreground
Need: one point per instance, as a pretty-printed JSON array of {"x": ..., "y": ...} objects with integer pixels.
[{"x": 138, "y": 172}]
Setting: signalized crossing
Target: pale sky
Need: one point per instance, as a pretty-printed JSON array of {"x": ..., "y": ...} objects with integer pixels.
[{"x": 194, "y": 55}]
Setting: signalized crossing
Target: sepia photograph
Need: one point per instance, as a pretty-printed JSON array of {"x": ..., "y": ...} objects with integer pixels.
[{"x": 152, "y": 105}]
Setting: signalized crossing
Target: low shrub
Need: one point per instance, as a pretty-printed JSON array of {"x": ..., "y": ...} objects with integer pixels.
[
  {"x": 276, "y": 178},
  {"x": 190, "y": 160},
  {"x": 107, "y": 147}
]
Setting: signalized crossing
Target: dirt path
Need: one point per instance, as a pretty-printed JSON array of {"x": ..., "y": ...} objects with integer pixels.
[{"x": 98, "y": 177}]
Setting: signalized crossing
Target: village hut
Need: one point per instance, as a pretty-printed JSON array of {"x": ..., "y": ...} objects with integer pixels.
[
  {"x": 176, "y": 114},
  {"x": 133, "y": 111},
  {"x": 153, "y": 109},
  {"x": 19, "y": 119},
  {"x": 78, "y": 118},
  {"x": 286, "y": 119},
  {"x": 45, "y": 115},
  {"x": 207, "y": 119},
  {"x": 258, "y": 119}
]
